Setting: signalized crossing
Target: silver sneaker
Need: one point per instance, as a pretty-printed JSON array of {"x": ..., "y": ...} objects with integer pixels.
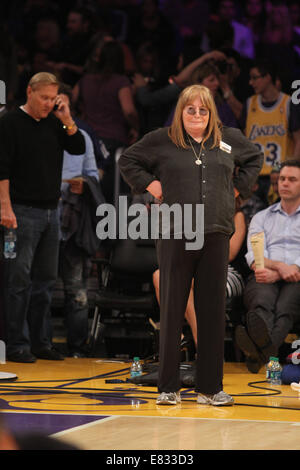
[
  {"x": 219, "y": 399},
  {"x": 168, "y": 398}
]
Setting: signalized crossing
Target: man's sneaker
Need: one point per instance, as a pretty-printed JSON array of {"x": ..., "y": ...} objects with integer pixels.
[
  {"x": 170, "y": 398},
  {"x": 219, "y": 399}
]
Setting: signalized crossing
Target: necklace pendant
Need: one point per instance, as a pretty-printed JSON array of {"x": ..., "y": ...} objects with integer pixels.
[{"x": 198, "y": 162}]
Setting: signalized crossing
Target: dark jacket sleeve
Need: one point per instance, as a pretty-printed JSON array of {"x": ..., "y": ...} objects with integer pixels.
[
  {"x": 74, "y": 144},
  {"x": 248, "y": 160},
  {"x": 136, "y": 164}
]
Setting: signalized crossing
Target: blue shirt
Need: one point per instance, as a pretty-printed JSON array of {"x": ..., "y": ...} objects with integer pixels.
[
  {"x": 80, "y": 165},
  {"x": 281, "y": 234}
]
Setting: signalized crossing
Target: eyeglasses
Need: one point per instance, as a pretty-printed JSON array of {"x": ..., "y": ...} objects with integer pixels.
[
  {"x": 191, "y": 110},
  {"x": 255, "y": 77}
]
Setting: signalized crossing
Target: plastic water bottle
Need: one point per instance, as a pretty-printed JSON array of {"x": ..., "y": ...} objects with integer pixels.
[
  {"x": 10, "y": 239},
  {"x": 136, "y": 368},
  {"x": 2, "y": 352},
  {"x": 273, "y": 371}
]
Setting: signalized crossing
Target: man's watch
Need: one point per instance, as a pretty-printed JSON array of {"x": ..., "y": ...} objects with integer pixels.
[{"x": 68, "y": 128}]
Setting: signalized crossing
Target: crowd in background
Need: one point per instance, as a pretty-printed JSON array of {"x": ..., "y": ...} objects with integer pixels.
[
  {"x": 137, "y": 47},
  {"x": 158, "y": 38}
]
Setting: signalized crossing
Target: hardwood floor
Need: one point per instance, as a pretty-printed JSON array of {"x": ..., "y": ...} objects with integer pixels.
[{"x": 90, "y": 403}]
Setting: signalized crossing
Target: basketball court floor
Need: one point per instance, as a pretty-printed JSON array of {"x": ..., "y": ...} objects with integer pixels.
[{"x": 91, "y": 404}]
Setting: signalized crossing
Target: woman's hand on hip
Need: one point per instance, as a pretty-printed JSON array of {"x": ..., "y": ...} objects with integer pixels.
[{"x": 155, "y": 189}]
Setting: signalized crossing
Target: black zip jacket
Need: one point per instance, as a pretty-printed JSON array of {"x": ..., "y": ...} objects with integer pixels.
[{"x": 234, "y": 165}]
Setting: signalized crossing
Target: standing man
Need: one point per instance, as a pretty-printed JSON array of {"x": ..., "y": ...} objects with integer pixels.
[
  {"x": 33, "y": 140},
  {"x": 272, "y": 294},
  {"x": 271, "y": 121}
]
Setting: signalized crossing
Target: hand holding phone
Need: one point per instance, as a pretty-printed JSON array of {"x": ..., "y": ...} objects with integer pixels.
[{"x": 61, "y": 110}]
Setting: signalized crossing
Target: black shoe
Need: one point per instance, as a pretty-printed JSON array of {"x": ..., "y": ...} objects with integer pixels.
[
  {"x": 259, "y": 333},
  {"x": 49, "y": 354},
  {"x": 253, "y": 365},
  {"x": 253, "y": 358},
  {"x": 77, "y": 354},
  {"x": 21, "y": 356}
]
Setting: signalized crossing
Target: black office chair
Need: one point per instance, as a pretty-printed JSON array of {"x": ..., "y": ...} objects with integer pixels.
[
  {"x": 125, "y": 282},
  {"x": 125, "y": 288}
]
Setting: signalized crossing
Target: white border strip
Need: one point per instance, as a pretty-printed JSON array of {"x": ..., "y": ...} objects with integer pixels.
[{"x": 83, "y": 426}]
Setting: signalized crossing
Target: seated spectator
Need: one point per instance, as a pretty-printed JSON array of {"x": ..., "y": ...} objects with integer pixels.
[{"x": 272, "y": 293}]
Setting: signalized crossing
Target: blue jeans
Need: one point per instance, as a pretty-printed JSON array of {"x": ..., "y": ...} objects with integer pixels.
[{"x": 30, "y": 279}]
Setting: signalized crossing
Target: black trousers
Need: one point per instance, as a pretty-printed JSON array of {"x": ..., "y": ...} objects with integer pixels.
[{"x": 178, "y": 266}]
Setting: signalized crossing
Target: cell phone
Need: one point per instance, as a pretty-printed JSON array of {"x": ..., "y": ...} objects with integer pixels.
[{"x": 55, "y": 108}]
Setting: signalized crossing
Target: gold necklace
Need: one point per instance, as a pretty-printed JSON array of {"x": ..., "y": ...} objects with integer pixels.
[{"x": 198, "y": 160}]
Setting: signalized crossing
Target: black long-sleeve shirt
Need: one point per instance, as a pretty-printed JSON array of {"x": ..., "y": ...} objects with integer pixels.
[
  {"x": 155, "y": 156},
  {"x": 31, "y": 157}
]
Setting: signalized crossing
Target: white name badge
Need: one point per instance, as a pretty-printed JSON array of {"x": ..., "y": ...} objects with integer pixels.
[{"x": 225, "y": 147}]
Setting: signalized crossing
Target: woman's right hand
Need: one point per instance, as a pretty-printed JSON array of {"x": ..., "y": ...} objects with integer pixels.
[{"x": 155, "y": 189}]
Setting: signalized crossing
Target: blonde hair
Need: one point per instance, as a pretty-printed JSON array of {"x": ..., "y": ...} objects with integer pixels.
[
  {"x": 187, "y": 96},
  {"x": 43, "y": 78}
]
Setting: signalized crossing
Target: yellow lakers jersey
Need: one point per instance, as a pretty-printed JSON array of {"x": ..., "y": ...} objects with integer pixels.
[{"x": 268, "y": 128}]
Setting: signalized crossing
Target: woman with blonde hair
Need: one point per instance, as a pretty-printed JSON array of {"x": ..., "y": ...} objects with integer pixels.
[{"x": 191, "y": 164}]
